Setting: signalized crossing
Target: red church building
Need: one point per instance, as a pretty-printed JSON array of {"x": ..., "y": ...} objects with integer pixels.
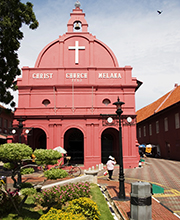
[{"x": 67, "y": 98}]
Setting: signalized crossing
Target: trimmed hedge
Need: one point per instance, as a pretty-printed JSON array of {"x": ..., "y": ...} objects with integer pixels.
[
  {"x": 85, "y": 206},
  {"x": 78, "y": 209},
  {"x": 54, "y": 174},
  {"x": 55, "y": 214}
]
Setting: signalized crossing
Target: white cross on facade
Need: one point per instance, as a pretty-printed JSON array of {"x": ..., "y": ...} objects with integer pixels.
[{"x": 77, "y": 48}]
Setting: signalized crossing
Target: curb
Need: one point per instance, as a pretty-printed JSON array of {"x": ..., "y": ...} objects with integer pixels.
[
  {"x": 166, "y": 207},
  {"x": 112, "y": 206}
]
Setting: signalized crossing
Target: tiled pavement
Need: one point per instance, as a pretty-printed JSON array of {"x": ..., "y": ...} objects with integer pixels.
[
  {"x": 159, "y": 212},
  {"x": 165, "y": 173}
]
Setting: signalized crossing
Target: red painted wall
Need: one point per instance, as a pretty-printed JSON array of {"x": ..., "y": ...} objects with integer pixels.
[
  {"x": 75, "y": 84},
  {"x": 168, "y": 141}
]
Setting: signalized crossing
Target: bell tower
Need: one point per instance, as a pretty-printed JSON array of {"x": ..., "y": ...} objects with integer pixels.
[{"x": 77, "y": 22}]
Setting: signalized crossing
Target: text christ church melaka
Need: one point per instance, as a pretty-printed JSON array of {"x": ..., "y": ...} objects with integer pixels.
[{"x": 67, "y": 98}]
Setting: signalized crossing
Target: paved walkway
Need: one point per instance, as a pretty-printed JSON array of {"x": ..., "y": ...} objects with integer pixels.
[{"x": 164, "y": 173}]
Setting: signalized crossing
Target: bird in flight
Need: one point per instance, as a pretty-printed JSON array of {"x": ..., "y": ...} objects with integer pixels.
[{"x": 159, "y": 12}]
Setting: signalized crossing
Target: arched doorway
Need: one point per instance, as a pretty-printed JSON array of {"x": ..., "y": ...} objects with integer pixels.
[
  {"x": 109, "y": 144},
  {"x": 74, "y": 145},
  {"x": 37, "y": 138}
]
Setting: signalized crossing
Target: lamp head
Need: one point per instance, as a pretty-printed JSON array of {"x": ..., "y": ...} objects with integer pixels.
[
  {"x": 20, "y": 120},
  {"x": 118, "y": 106}
]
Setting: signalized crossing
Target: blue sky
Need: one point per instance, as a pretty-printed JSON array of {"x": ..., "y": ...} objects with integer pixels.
[{"x": 133, "y": 29}]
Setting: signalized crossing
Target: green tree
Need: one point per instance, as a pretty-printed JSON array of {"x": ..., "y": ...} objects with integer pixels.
[
  {"x": 15, "y": 155},
  {"x": 46, "y": 157},
  {"x": 13, "y": 14}
]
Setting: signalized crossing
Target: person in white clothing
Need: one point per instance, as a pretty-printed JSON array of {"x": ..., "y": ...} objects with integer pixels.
[{"x": 110, "y": 166}]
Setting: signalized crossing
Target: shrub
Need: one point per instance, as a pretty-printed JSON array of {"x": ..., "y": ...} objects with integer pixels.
[
  {"x": 27, "y": 171},
  {"x": 85, "y": 206},
  {"x": 44, "y": 156},
  {"x": 6, "y": 204},
  {"x": 58, "y": 195},
  {"x": 14, "y": 152},
  {"x": 54, "y": 174},
  {"x": 9, "y": 166},
  {"x": 28, "y": 191},
  {"x": 60, "y": 215},
  {"x": 26, "y": 185},
  {"x": 78, "y": 209}
]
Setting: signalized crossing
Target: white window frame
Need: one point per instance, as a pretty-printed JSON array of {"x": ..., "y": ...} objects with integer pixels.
[
  {"x": 157, "y": 127},
  {"x": 177, "y": 123},
  {"x": 166, "y": 124},
  {"x": 144, "y": 131},
  {"x": 5, "y": 123},
  {"x": 139, "y": 132},
  {"x": 150, "y": 129}
]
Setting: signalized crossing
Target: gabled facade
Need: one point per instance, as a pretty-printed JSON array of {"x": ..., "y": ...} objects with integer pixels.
[
  {"x": 67, "y": 97},
  {"x": 159, "y": 124}
]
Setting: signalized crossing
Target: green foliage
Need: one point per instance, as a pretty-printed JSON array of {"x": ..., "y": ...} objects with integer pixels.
[
  {"x": 59, "y": 195},
  {"x": 30, "y": 211},
  {"x": 9, "y": 166},
  {"x": 28, "y": 191},
  {"x": 60, "y": 215},
  {"x": 82, "y": 209},
  {"x": 14, "y": 152},
  {"x": 54, "y": 174},
  {"x": 27, "y": 171},
  {"x": 13, "y": 14},
  {"x": 85, "y": 206},
  {"x": 26, "y": 185},
  {"x": 6, "y": 204},
  {"x": 44, "y": 156}
]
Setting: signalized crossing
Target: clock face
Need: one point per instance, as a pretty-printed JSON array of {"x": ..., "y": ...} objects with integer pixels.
[
  {"x": 109, "y": 120},
  {"x": 129, "y": 119}
]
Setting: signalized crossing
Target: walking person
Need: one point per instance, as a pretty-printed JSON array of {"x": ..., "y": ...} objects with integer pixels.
[{"x": 110, "y": 166}]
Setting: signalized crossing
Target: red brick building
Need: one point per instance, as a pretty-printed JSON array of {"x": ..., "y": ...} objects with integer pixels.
[
  {"x": 6, "y": 119},
  {"x": 159, "y": 124}
]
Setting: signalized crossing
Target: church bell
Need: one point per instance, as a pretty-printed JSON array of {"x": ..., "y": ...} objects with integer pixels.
[{"x": 77, "y": 27}]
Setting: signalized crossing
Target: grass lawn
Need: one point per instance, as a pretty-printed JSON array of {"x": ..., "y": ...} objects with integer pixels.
[
  {"x": 30, "y": 211},
  {"x": 98, "y": 197}
]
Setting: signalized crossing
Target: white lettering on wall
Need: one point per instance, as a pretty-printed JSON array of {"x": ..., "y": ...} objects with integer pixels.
[
  {"x": 109, "y": 75},
  {"x": 76, "y": 75},
  {"x": 42, "y": 75}
]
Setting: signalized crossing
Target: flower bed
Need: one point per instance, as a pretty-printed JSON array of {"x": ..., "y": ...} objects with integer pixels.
[
  {"x": 57, "y": 196},
  {"x": 78, "y": 209}
]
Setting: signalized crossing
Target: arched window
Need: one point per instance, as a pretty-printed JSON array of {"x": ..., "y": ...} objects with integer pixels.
[
  {"x": 106, "y": 102},
  {"x": 45, "y": 102}
]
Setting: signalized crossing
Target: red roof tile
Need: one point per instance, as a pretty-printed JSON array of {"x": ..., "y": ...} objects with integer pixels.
[{"x": 165, "y": 101}]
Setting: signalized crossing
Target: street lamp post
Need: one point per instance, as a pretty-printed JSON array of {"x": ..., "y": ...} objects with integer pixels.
[
  {"x": 121, "y": 170},
  {"x": 20, "y": 126},
  {"x": 20, "y": 129}
]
